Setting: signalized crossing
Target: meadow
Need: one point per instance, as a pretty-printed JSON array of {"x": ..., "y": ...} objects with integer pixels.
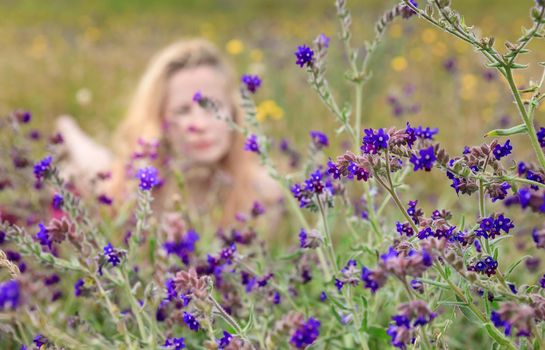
[{"x": 422, "y": 239}]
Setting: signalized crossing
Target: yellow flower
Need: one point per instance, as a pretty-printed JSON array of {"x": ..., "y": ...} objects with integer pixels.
[
  {"x": 234, "y": 46},
  {"x": 269, "y": 108},
  {"x": 399, "y": 63}
]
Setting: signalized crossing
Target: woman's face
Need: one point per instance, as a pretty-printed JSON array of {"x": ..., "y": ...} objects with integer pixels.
[{"x": 196, "y": 133}]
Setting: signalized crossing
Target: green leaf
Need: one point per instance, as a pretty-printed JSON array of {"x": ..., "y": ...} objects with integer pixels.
[
  {"x": 519, "y": 129},
  {"x": 378, "y": 332},
  {"x": 514, "y": 265},
  {"x": 494, "y": 333}
]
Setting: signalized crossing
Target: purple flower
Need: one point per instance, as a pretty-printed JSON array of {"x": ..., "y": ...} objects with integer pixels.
[
  {"x": 372, "y": 279},
  {"x": 78, "y": 287},
  {"x": 251, "y": 144},
  {"x": 40, "y": 341},
  {"x": 319, "y": 139},
  {"x": 191, "y": 322},
  {"x": 306, "y": 333},
  {"x": 43, "y": 236},
  {"x": 23, "y": 116},
  {"x": 42, "y": 167},
  {"x": 57, "y": 201},
  {"x": 252, "y": 82},
  {"x": 112, "y": 254},
  {"x": 323, "y": 296},
  {"x": 257, "y": 209},
  {"x": 426, "y": 159},
  {"x": 9, "y": 294},
  {"x": 372, "y": 142},
  {"x": 148, "y": 177},
  {"x": 225, "y": 340},
  {"x": 501, "y": 151},
  {"x": 183, "y": 247},
  {"x": 197, "y": 97},
  {"x": 53, "y": 279},
  {"x": 541, "y": 136},
  {"x": 175, "y": 343},
  {"x": 104, "y": 199},
  {"x": 322, "y": 40},
  {"x": 406, "y": 11},
  {"x": 304, "y": 56},
  {"x": 2, "y": 237}
]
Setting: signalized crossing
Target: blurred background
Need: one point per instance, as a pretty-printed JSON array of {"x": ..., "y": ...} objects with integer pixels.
[{"x": 84, "y": 58}]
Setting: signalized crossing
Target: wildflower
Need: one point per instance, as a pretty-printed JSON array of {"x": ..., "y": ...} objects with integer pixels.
[
  {"x": 406, "y": 11},
  {"x": 40, "y": 341},
  {"x": 251, "y": 144},
  {"x": 333, "y": 170},
  {"x": 252, "y": 82},
  {"x": 323, "y": 296},
  {"x": 183, "y": 247},
  {"x": 538, "y": 237},
  {"x": 175, "y": 343},
  {"x": 541, "y": 136},
  {"x": 542, "y": 281},
  {"x": 426, "y": 159},
  {"x": 492, "y": 226},
  {"x": 23, "y": 116},
  {"x": 306, "y": 333},
  {"x": 512, "y": 315},
  {"x": 42, "y": 167},
  {"x": 53, "y": 279},
  {"x": 2, "y": 237},
  {"x": 487, "y": 266},
  {"x": 257, "y": 209},
  {"x": 112, "y": 254},
  {"x": 43, "y": 236},
  {"x": 148, "y": 177},
  {"x": 411, "y": 315},
  {"x": 498, "y": 191},
  {"x": 322, "y": 40},
  {"x": 359, "y": 172},
  {"x": 225, "y": 340},
  {"x": 310, "y": 240},
  {"x": 319, "y": 139},
  {"x": 304, "y": 55},
  {"x": 501, "y": 151},
  {"x": 197, "y": 97},
  {"x": 373, "y": 279},
  {"x": 372, "y": 142},
  {"x": 10, "y": 292},
  {"x": 78, "y": 287},
  {"x": 191, "y": 322},
  {"x": 57, "y": 201}
]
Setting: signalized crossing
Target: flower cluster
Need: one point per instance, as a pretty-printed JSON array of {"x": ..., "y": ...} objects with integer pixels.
[
  {"x": 411, "y": 315},
  {"x": 251, "y": 144},
  {"x": 373, "y": 142},
  {"x": 252, "y": 82},
  {"x": 10, "y": 295},
  {"x": 306, "y": 333},
  {"x": 316, "y": 184},
  {"x": 304, "y": 55},
  {"x": 149, "y": 178},
  {"x": 492, "y": 226},
  {"x": 319, "y": 139},
  {"x": 486, "y": 266}
]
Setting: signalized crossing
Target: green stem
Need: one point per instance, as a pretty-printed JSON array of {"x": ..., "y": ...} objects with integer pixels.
[
  {"x": 525, "y": 118},
  {"x": 328, "y": 241},
  {"x": 231, "y": 321},
  {"x": 134, "y": 305}
]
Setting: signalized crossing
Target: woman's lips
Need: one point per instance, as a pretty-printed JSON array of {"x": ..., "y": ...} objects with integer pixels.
[{"x": 201, "y": 144}]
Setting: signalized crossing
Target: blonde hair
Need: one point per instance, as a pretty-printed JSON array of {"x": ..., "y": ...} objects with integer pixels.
[{"x": 145, "y": 119}]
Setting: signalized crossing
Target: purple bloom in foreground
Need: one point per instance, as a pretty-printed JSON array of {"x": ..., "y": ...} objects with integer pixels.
[
  {"x": 148, "y": 177},
  {"x": 225, "y": 340},
  {"x": 501, "y": 151},
  {"x": 304, "y": 56},
  {"x": 42, "y": 167},
  {"x": 57, "y": 201},
  {"x": 426, "y": 159},
  {"x": 191, "y": 322},
  {"x": 112, "y": 254},
  {"x": 43, "y": 236},
  {"x": 306, "y": 334},
  {"x": 175, "y": 343},
  {"x": 252, "y": 82},
  {"x": 372, "y": 142},
  {"x": 251, "y": 144},
  {"x": 78, "y": 286},
  {"x": 197, "y": 97},
  {"x": 9, "y": 295}
]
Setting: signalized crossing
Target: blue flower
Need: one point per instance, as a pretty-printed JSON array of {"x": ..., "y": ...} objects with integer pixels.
[
  {"x": 78, "y": 287},
  {"x": 501, "y": 151},
  {"x": 306, "y": 334},
  {"x": 191, "y": 322},
  {"x": 304, "y": 56},
  {"x": 43, "y": 236},
  {"x": 9, "y": 294},
  {"x": 426, "y": 159},
  {"x": 252, "y": 82},
  {"x": 541, "y": 136},
  {"x": 148, "y": 177},
  {"x": 197, "y": 97},
  {"x": 112, "y": 254},
  {"x": 57, "y": 201},
  {"x": 42, "y": 167},
  {"x": 225, "y": 340},
  {"x": 319, "y": 139},
  {"x": 251, "y": 144},
  {"x": 372, "y": 142},
  {"x": 175, "y": 343}
]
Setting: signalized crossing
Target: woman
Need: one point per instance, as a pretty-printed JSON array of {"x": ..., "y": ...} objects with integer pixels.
[{"x": 212, "y": 160}]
